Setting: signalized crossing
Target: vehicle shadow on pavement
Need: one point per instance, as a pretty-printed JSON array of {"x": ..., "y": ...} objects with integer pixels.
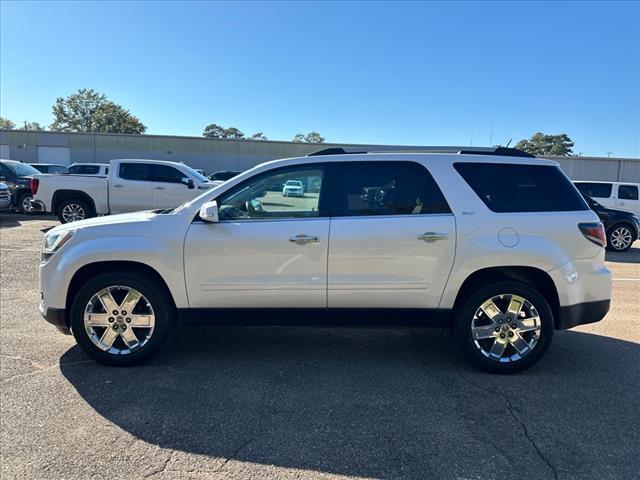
[
  {"x": 8, "y": 220},
  {"x": 377, "y": 403},
  {"x": 630, "y": 256}
]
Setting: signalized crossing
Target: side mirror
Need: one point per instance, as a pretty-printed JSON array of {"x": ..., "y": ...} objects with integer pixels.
[
  {"x": 188, "y": 182},
  {"x": 209, "y": 212}
]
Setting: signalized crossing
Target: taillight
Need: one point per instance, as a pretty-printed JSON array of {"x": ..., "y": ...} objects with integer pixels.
[
  {"x": 35, "y": 183},
  {"x": 594, "y": 232}
]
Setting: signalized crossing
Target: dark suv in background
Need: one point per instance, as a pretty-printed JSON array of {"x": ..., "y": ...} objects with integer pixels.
[
  {"x": 17, "y": 176},
  {"x": 623, "y": 228}
]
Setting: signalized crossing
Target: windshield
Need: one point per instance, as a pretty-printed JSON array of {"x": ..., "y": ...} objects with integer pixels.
[
  {"x": 21, "y": 169},
  {"x": 197, "y": 175}
]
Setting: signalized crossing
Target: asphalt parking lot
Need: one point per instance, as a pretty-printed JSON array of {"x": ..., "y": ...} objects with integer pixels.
[{"x": 298, "y": 403}]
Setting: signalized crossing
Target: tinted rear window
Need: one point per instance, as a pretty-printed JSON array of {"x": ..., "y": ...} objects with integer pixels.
[
  {"x": 627, "y": 192},
  {"x": 84, "y": 169},
  {"x": 521, "y": 188},
  {"x": 598, "y": 190},
  {"x": 385, "y": 188}
]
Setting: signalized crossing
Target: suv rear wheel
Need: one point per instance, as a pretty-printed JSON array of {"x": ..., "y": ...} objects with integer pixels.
[
  {"x": 504, "y": 327},
  {"x": 121, "y": 318},
  {"x": 619, "y": 238}
]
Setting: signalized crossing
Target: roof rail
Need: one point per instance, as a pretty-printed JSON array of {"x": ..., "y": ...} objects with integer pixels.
[{"x": 499, "y": 151}]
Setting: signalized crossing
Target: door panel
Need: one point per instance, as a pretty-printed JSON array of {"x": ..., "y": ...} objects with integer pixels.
[
  {"x": 628, "y": 198},
  {"x": 130, "y": 189},
  {"x": 254, "y": 264},
  {"x": 168, "y": 189},
  {"x": 171, "y": 195},
  {"x": 379, "y": 262}
]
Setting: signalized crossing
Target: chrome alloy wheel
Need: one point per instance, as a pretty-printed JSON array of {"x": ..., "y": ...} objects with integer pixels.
[
  {"x": 27, "y": 206},
  {"x": 72, "y": 212},
  {"x": 505, "y": 328},
  {"x": 621, "y": 238},
  {"x": 119, "y": 320}
]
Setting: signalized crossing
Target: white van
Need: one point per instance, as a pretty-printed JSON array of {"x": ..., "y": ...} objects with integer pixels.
[{"x": 620, "y": 195}]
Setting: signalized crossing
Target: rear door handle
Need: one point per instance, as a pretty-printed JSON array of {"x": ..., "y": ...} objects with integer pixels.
[
  {"x": 304, "y": 239},
  {"x": 117, "y": 186},
  {"x": 158, "y": 188},
  {"x": 432, "y": 236}
]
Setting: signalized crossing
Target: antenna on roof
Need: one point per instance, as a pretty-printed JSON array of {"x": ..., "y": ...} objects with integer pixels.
[{"x": 508, "y": 143}]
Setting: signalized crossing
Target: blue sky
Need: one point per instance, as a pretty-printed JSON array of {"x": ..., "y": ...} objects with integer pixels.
[{"x": 399, "y": 73}]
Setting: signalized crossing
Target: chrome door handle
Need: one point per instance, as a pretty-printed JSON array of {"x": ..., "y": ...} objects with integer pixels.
[
  {"x": 432, "y": 236},
  {"x": 304, "y": 239},
  {"x": 158, "y": 188}
]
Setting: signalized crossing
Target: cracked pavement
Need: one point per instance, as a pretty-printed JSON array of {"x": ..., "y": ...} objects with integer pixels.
[{"x": 293, "y": 403}]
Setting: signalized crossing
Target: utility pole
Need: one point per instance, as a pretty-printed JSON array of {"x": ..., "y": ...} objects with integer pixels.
[{"x": 609, "y": 154}]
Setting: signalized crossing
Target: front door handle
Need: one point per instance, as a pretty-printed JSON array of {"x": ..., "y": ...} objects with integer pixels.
[
  {"x": 117, "y": 186},
  {"x": 432, "y": 236},
  {"x": 304, "y": 239},
  {"x": 158, "y": 188}
]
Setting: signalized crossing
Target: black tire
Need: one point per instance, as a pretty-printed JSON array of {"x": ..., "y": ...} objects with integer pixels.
[
  {"x": 158, "y": 297},
  {"x": 21, "y": 204},
  {"x": 464, "y": 315},
  {"x": 82, "y": 207},
  {"x": 620, "y": 230}
]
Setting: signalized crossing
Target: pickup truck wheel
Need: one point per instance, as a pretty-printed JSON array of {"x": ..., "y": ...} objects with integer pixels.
[
  {"x": 24, "y": 203},
  {"x": 121, "y": 319},
  {"x": 619, "y": 238},
  {"x": 74, "y": 209},
  {"x": 504, "y": 327}
]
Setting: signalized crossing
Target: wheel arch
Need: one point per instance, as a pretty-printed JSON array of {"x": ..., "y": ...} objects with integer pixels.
[
  {"x": 535, "y": 277},
  {"x": 84, "y": 273},
  {"x": 61, "y": 195}
]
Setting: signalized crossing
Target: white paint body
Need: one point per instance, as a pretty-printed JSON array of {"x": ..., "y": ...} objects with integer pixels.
[
  {"x": 114, "y": 194},
  {"x": 368, "y": 262}
]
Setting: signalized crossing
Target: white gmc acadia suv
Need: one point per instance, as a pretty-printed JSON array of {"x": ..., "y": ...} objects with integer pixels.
[{"x": 496, "y": 244}]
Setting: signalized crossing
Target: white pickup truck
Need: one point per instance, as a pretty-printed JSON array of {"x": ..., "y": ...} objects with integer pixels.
[{"x": 132, "y": 185}]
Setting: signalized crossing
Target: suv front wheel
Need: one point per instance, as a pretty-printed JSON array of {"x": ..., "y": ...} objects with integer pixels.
[
  {"x": 121, "y": 318},
  {"x": 504, "y": 327}
]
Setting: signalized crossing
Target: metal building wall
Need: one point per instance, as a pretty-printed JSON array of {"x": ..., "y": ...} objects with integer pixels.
[{"x": 214, "y": 154}]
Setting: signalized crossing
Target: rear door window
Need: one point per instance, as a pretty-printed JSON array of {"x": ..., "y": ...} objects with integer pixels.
[
  {"x": 521, "y": 188},
  {"x": 627, "y": 192},
  {"x": 384, "y": 188},
  {"x": 135, "y": 171},
  {"x": 595, "y": 190}
]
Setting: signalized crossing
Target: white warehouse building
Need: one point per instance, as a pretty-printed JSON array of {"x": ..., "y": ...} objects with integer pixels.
[{"x": 215, "y": 154}]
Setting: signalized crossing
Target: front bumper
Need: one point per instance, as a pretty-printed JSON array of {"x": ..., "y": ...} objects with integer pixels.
[
  {"x": 56, "y": 317},
  {"x": 582, "y": 314}
]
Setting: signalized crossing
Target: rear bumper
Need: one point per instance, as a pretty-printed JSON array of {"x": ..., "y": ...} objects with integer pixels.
[
  {"x": 582, "y": 313},
  {"x": 56, "y": 317}
]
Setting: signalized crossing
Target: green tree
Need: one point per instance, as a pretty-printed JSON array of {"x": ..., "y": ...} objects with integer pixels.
[
  {"x": 311, "y": 137},
  {"x": 314, "y": 137},
  {"x": 216, "y": 131},
  {"x": 258, "y": 136},
  {"x": 541, "y": 144},
  {"x": 90, "y": 111},
  {"x": 7, "y": 124}
]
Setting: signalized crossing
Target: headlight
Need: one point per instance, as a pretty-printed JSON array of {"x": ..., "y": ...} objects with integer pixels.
[{"x": 54, "y": 242}]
